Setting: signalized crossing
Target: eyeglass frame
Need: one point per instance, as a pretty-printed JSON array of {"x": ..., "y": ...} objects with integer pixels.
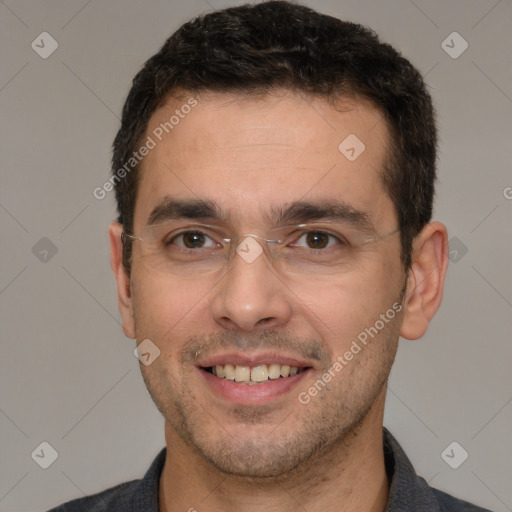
[{"x": 231, "y": 252}]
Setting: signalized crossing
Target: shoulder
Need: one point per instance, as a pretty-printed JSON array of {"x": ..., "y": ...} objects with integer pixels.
[
  {"x": 114, "y": 498},
  {"x": 409, "y": 491},
  {"x": 448, "y": 503},
  {"x": 134, "y": 496}
]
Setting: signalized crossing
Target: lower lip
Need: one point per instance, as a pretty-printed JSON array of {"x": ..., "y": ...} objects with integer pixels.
[{"x": 252, "y": 394}]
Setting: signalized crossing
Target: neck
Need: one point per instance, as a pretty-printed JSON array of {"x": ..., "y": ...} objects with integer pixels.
[{"x": 346, "y": 476}]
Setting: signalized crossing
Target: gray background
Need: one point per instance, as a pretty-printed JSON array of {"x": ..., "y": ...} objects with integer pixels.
[{"x": 68, "y": 375}]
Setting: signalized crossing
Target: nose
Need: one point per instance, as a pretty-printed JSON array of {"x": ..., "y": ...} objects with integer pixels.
[{"x": 251, "y": 296}]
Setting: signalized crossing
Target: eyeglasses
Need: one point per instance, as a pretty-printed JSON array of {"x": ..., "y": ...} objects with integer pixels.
[{"x": 305, "y": 249}]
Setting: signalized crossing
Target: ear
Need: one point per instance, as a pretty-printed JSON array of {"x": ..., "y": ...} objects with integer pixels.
[
  {"x": 425, "y": 281},
  {"x": 124, "y": 297}
]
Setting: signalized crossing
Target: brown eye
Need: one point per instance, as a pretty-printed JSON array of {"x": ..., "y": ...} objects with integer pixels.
[
  {"x": 190, "y": 240},
  {"x": 193, "y": 239},
  {"x": 317, "y": 239}
]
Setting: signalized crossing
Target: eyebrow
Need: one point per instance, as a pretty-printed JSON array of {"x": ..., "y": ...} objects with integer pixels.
[
  {"x": 327, "y": 209},
  {"x": 296, "y": 212},
  {"x": 170, "y": 209}
]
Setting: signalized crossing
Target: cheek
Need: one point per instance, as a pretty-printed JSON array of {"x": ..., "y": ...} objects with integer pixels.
[
  {"x": 339, "y": 312},
  {"x": 165, "y": 307},
  {"x": 342, "y": 308}
]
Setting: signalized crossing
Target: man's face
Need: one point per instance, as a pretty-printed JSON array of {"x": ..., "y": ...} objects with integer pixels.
[{"x": 251, "y": 158}]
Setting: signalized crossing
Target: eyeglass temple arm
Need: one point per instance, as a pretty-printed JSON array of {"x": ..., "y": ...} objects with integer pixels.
[{"x": 125, "y": 235}]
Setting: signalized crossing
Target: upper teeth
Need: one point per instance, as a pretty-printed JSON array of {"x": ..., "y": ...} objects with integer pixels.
[{"x": 259, "y": 373}]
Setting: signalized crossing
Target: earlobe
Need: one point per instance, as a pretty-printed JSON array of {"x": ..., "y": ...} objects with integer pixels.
[
  {"x": 425, "y": 283},
  {"x": 124, "y": 297}
]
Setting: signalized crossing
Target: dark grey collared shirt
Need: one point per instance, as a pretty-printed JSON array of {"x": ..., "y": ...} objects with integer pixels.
[{"x": 407, "y": 493}]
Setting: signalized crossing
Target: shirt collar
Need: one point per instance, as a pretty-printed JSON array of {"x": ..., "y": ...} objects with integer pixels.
[{"x": 407, "y": 491}]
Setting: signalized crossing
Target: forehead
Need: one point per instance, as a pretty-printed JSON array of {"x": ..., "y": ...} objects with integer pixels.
[{"x": 253, "y": 155}]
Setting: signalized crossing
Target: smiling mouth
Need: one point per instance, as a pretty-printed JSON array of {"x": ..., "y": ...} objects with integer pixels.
[{"x": 251, "y": 375}]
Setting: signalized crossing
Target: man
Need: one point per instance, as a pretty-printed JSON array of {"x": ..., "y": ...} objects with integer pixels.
[{"x": 274, "y": 174}]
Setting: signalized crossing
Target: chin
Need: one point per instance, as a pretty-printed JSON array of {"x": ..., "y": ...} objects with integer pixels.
[{"x": 254, "y": 460}]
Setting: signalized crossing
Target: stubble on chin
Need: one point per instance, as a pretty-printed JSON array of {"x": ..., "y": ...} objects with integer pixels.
[{"x": 258, "y": 443}]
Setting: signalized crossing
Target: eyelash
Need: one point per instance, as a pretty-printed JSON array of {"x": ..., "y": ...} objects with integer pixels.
[{"x": 340, "y": 239}]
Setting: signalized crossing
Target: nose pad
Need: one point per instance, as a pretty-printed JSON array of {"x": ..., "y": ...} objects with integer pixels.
[
  {"x": 250, "y": 296},
  {"x": 250, "y": 247}
]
